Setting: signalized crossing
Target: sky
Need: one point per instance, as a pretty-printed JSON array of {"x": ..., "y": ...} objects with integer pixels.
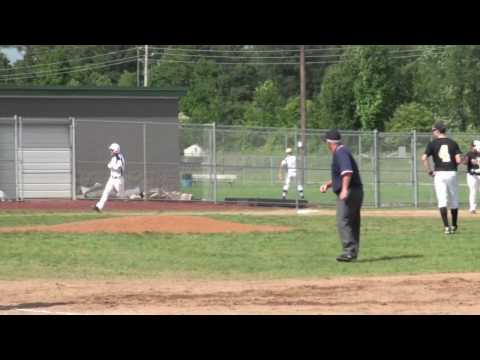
[{"x": 12, "y": 54}]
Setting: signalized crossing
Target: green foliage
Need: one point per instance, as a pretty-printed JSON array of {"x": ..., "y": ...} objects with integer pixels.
[
  {"x": 264, "y": 110},
  {"x": 202, "y": 102},
  {"x": 349, "y": 87},
  {"x": 411, "y": 116},
  {"x": 127, "y": 79},
  {"x": 290, "y": 114},
  {"x": 374, "y": 86},
  {"x": 335, "y": 106}
]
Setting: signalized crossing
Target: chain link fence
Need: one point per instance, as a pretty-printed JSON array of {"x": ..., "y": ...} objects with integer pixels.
[
  {"x": 8, "y": 160},
  {"x": 390, "y": 165},
  {"x": 168, "y": 161}
]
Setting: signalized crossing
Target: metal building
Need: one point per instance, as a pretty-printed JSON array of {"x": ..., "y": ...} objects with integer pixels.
[{"x": 53, "y": 140}]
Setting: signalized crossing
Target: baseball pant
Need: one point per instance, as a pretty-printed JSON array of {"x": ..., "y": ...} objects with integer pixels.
[
  {"x": 473, "y": 182},
  {"x": 116, "y": 184},
  {"x": 446, "y": 189},
  {"x": 349, "y": 221},
  {"x": 288, "y": 180}
]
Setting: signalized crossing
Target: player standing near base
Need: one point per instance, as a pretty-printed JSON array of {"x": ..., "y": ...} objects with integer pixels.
[
  {"x": 472, "y": 160},
  {"x": 289, "y": 164},
  {"x": 116, "y": 181},
  {"x": 446, "y": 156}
]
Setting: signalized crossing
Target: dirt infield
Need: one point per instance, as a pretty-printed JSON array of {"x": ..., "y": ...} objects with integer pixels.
[
  {"x": 416, "y": 294},
  {"x": 186, "y": 207},
  {"x": 155, "y": 224},
  {"x": 116, "y": 205}
]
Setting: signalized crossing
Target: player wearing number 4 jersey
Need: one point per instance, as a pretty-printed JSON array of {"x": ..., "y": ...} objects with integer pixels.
[{"x": 446, "y": 157}]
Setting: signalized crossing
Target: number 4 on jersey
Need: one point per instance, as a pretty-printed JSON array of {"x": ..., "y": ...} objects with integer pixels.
[{"x": 444, "y": 154}]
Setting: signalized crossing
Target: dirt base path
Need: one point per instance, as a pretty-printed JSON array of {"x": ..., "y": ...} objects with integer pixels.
[{"x": 415, "y": 294}]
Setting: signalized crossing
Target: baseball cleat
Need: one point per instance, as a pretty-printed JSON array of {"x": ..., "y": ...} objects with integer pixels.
[
  {"x": 97, "y": 209},
  {"x": 453, "y": 229},
  {"x": 473, "y": 212},
  {"x": 346, "y": 258},
  {"x": 448, "y": 230}
]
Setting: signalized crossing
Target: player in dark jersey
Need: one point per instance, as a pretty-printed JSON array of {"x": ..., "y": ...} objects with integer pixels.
[
  {"x": 446, "y": 157},
  {"x": 472, "y": 160}
]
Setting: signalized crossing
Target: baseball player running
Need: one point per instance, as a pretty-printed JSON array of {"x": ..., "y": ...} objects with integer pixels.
[
  {"x": 472, "y": 160},
  {"x": 289, "y": 165},
  {"x": 446, "y": 156},
  {"x": 116, "y": 181}
]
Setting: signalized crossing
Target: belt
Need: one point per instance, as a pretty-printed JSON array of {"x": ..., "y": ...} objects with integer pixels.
[{"x": 116, "y": 177}]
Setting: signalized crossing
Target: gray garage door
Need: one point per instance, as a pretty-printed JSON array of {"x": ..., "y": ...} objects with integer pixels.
[
  {"x": 46, "y": 160},
  {"x": 7, "y": 158}
]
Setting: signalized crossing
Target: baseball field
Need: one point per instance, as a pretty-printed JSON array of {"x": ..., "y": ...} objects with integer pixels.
[{"x": 160, "y": 258}]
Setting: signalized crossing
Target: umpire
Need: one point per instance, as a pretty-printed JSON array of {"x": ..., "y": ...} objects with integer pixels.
[{"x": 347, "y": 185}]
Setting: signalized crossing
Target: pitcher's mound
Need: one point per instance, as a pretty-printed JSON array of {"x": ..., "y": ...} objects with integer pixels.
[{"x": 155, "y": 224}]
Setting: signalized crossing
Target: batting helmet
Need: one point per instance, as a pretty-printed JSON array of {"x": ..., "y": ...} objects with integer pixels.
[
  {"x": 115, "y": 148},
  {"x": 288, "y": 151}
]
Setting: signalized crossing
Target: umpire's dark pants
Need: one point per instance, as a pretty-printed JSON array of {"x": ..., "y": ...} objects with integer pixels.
[{"x": 348, "y": 220}]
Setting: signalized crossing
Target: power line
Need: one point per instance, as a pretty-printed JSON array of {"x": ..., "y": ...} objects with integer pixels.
[
  {"x": 162, "y": 60},
  {"x": 71, "y": 60},
  {"x": 287, "y": 57},
  {"x": 72, "y": 70},
  {"x": 109, "y": 63},
  {"x": 251, "y": 51}
]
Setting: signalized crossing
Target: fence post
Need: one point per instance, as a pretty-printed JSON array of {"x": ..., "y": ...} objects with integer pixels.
[
  {"x": 20, "y": 141},
  {"x": 15, "y": 130},
  {"x": 360, "y": 150},
  {"x": 145, "y": 184},
  {"x": 214, "y": 160},
  {"x": 376, "y": 169},
  {"x": 74, "y": 158},
  {"x": 414, "y": 168}
]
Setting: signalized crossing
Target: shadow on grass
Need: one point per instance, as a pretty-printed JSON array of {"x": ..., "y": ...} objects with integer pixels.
[
  {"x": 390, "y": 258},
  {"x": 31, "y": 306}
]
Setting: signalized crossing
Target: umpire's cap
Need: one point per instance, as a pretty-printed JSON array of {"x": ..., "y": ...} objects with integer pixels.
[
  {"x": 333, "y": 136},
  {"x": 440, "y": 126}
]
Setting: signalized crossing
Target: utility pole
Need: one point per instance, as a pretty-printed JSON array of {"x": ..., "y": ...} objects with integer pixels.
[
  {"x": 145, "y": 73},
  {"x": 138, "y": 66},
  {"x": 303, "y": 118}
]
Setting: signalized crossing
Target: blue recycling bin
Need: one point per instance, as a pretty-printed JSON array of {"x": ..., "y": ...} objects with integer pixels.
[{"x": 187, "y": 181}]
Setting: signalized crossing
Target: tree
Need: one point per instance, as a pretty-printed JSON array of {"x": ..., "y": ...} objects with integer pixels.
[
  {"x": 375, "y": 86},
  {"x": 58, "y": 64},
  {"x": 411, "y": 116},
  {"x": 128, "y": 79},
  {"x": 202, "y": 102},
  {"x": 290, "y": 113},
  {"x": 335, "y": 106},
  {"x": 5, "y": 67},
  {"x": 264, "y": 110}
]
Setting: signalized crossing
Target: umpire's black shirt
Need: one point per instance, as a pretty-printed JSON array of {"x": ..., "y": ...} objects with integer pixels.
[{"x": 343, "y": 163}]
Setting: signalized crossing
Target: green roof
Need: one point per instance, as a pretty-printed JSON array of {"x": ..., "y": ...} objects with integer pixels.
[{"x": 94, "y": 91}]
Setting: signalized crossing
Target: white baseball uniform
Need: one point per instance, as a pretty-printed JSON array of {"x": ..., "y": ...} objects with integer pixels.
[
  {"x": 116, "y": 181},
  {"x": 290, "y": 163}
]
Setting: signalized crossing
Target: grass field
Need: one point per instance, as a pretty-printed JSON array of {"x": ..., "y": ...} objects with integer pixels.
[
  {"x": 389, "y": 246},
  {"x": 257, "y": 177},
  {"x": 391, "y": 195}
]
